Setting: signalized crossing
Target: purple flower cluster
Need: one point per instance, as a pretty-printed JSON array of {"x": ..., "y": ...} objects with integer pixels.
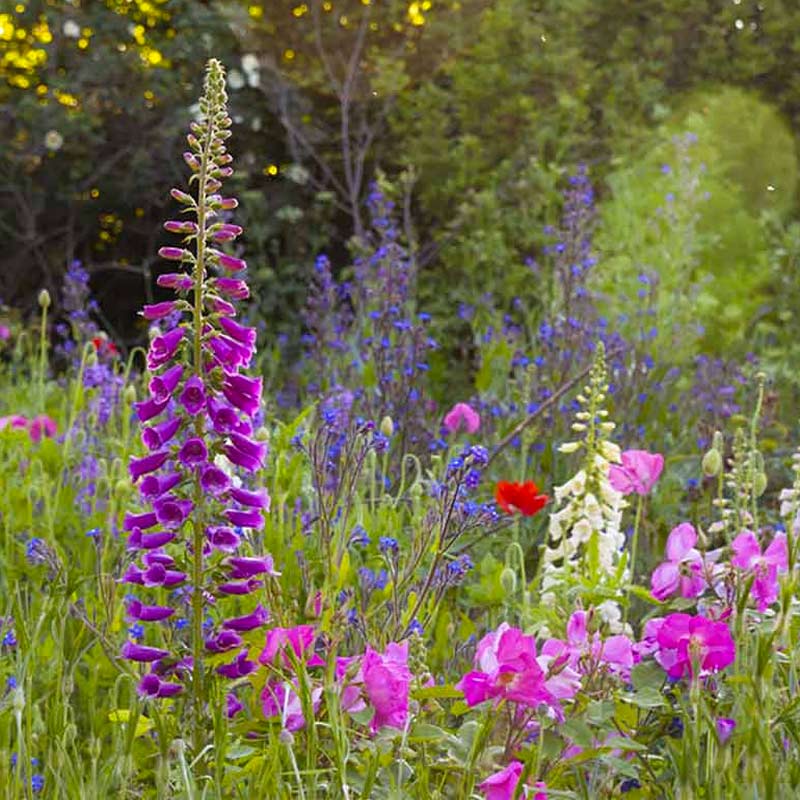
[
  {"x": 197, "y": 426},
  {"x": 369, "y": 335}
]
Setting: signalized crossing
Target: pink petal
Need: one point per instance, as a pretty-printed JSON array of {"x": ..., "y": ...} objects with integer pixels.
[{"x": 680, "y": 541}]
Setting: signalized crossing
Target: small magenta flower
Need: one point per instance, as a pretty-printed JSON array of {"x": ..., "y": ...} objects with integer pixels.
[
  {"x": 690, "y": 645},
  {"x": 725, "y": 727},
  {"x": 766, "y": 567},
  {"x": 502, "y": 785},
  {"x": 683, "y": 570},
  {"x": 462, "y": 415},
  {"x": 638, "y": 472}
]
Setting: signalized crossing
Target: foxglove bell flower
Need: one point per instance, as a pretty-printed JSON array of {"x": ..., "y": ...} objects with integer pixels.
[{"x": 187, "y": 546}]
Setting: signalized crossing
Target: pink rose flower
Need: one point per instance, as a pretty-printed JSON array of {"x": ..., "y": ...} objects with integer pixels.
[
  {"x": 638, "y": 472},
  {"x": 462, "y": 414}
]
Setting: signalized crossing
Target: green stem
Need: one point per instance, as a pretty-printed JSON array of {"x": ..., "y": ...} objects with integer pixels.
[
  {"x": 43, "y": 359},
  {"x": 634, "y": 546},
  {"x": 198, "y": 687}
]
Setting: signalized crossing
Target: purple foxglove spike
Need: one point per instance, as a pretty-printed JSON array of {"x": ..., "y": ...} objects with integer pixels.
[
  {"x": 133, "y": 575},
  {"x": 149, "y": 463},
  {"x": 180, "y": 226},
  {"x": 224, "y": 539},
  {"x": 251, "y": 518},
  {"x": 171, "y": 511},
  {"x": 138, "y": 652},
  {"x": 147, "y": 409},
  {"x": 158, "y": 557},
  {"x": 234, "y": 288},
  {"x": 236, "y": 456},
  {"x": 158, "y": 435},
  {"x": 175, "y": 254},
  {"x": 247, "y": 566},
  {"x": 153, "y": 486},
  {"x": 193, "y": 452},
  {"x": 148, "y": 613},
  {"x": 214, "y": 481},
  {"x": 249, "y": 622},
  {"x": 238, "y": 668},
  {"x": 182, "y": 197},
  {"x": 223, "y": 641},
  {"x": 159, "y": 310},
  {"x": 220, "y": 306},
  {"x": 257, "y": 499},
  {"x": 240, "y": 587},
  {"x": 149, "y": 541},
  {"x": 241, "y": 333},
  {"x": 163, "y": 348},
  {"x": 162, "y": 386},
  {"x": 193, "y": 396},
  {"x": 179, "y": 281},
  {"x": 144, "y": 521},
  {"x": 232, "y": 705}
]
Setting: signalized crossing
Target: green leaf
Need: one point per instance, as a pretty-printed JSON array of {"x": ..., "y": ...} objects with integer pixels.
[{"x": 123, "y": 715}]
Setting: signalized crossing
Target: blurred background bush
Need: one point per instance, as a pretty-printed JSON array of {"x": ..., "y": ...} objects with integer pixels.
[{"x": 470, "y": 115}]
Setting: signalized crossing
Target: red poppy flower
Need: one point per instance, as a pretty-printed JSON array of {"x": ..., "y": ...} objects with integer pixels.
[
  {"x": 104, "y": 346},
  {"x": 522, "y": 497}
]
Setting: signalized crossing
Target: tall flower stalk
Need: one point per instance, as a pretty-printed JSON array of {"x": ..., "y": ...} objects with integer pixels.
[{"x": 199, "y": 429}]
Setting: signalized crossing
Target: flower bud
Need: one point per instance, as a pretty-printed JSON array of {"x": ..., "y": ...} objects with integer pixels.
[
  {"x": 387, "y": 426},
  {"x": 44, "y": 299},
  {"x": 712, "y": 463},
  {"x": 760, "y": 484},
  {"x": 508, "y": 580},
  {"x": 130, "y": 394}
]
